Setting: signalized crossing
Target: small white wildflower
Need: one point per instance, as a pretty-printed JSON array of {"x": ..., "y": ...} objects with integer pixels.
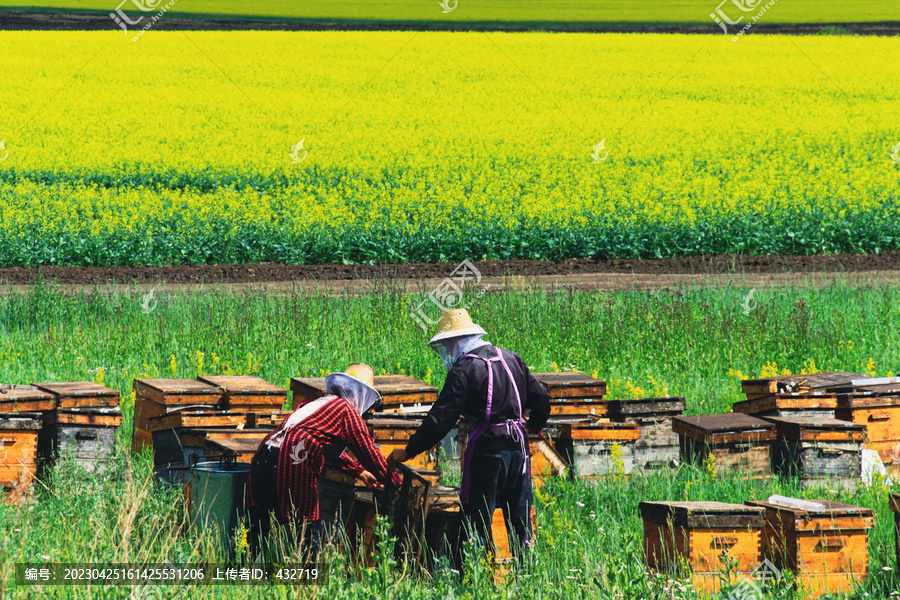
[
  {"x": 581, "y": 504},
  {"x": 886, "y": 569},
  {"x": 45, "y": 556}
]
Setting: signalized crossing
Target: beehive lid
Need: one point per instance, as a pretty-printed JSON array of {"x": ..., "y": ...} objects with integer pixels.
[
  {"x": 830, "y": 515},
  {"x": 162, "y": 388},
  {"x": 244, "y": 385},
  {"x": 723, "y": 428},
  {"x": 238, "y": 447},
  {"x": 77, "y": 389},
  {"x": 703, "y": 515},
  {"x": 95, "y": 417},
  {"x": 571, "y": 385},
  {"x": 817, "y": 429},
  {"x": 20, "y": 421},
  {"x": 25, "y": 398},
  {"x": 639, "y": 407}
]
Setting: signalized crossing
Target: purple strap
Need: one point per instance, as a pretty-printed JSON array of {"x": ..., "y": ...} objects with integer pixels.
[{"x": 478, "y": 428}]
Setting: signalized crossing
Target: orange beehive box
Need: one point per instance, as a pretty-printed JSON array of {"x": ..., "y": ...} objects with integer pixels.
[
  {"x": 702, "y": 536},
  {"x": 18, "y": 453},
  {"x": 825, "y": 543}
]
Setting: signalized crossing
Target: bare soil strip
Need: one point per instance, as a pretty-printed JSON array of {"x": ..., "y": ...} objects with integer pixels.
[
  {"x": 606, "y": 274},
  {"x": 51, "y": 20}
]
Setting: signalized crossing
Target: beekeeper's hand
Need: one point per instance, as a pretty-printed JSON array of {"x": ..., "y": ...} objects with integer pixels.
[
  {"x": 396, "y": 457},
  {"x": 369, "y": 479}
]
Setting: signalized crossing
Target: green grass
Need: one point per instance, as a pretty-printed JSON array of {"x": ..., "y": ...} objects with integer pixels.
[
  {"x": 554, "y": 13},
  {"x": 589, "y": 538}
]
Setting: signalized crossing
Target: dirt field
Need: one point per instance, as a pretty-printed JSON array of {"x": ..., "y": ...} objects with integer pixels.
[
  {"x": 26, "y": 20},
  {"x": 588, "y": 274}
]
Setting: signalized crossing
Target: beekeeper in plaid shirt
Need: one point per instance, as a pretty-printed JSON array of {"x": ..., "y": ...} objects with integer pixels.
[
  {"x": 491, "y": 388},
  {"x": 284, "y": 472}
]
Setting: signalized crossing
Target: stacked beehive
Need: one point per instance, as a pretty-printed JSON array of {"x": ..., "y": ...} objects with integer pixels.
[
  {"x": 43, "y": 423},
  {"x": 20, "y": 421},
  {"x": 875, "y": 403},
  {"x": 657, "y": 447},
  {"x": 736, "y": 442},
  {"x": 185, "y": 419},
  {"x": 81, "y": 426},
  {"x": 808, "y": 395},
  {"x": 582, "y": 434},
  {"x": 818, "y": 450}
]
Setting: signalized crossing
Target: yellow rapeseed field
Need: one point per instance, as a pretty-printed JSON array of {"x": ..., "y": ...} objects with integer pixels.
[{"x": 440, "y": 146}]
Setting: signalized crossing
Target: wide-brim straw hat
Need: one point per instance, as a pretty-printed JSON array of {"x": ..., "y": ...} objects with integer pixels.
[
  {"x": 356, "y": 373},
  {"x": 456, "y": 323}
]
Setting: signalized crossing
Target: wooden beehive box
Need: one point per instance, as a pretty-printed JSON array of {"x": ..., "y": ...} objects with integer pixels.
[
  {"x": 658, "y": 445},
  {"x": 398, "y": 392},
  {"x": 25, "y": 398},
  {"x": 153, "y": 397},
  {"x": 574, "y": 394},
  {"x": 598, "y": 449},
  {"x": 826, "y": 546},
  {"x": 818, "y": 450},
  {"x": 390, "y": 434},
  {"x": 881, "y": 416},
  {"x": 700, "y": 535},
  {"x": 247, "y": 392},
  {"x": 86, "y": 436},
  {"x": 737, "y": 442},
  {"x": 788, "y": 405},
  {"x": 18, "y": 453},
  {"x": 81, "y": 394}
]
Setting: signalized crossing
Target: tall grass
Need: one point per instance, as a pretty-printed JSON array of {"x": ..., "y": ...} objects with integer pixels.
[{"x": 698, "y": 343}]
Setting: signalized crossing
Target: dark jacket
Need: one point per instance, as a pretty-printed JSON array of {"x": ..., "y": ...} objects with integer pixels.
[{"x": 465, "y": 393}]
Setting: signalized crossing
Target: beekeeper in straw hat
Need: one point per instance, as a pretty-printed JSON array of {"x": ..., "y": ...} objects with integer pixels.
[
  {"x": 284, "y": 472},
  {"x": 491, "y": 388}
]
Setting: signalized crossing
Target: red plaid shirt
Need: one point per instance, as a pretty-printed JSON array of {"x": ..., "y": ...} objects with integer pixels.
[{"x": 334, "y": 425}]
